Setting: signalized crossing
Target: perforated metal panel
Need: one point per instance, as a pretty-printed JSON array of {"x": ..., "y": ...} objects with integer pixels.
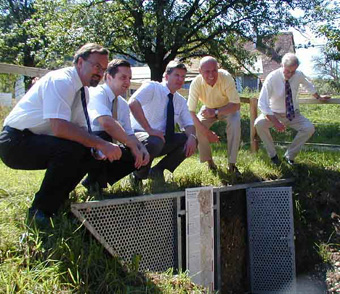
[
  {"x": 271, "y": 240},
  {"x": 147, "y": 228}
]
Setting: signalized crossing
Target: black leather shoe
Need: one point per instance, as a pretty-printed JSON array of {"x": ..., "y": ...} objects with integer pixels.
[
  {"x": 135, "y": 182},
  {"x": 233, "y": 169},
  {"x": 276, "y": 160},
  {"x": 37, "y": 216},
  {"x": 157, "y": 175},
  {"x": 92, "y": 187}
]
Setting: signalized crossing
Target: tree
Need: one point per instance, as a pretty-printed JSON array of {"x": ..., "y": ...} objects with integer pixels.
[
  {"x": 157, "y": 31},
  {"x": 15, "y": 45},
  {"x": 328, "y": 70},
  {"x": 330, "y": 28}
]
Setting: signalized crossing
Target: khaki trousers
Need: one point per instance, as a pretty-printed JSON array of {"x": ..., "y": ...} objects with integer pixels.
[
  {"x": 233, "y": 130},
  {"x": 302, "y": 125}
]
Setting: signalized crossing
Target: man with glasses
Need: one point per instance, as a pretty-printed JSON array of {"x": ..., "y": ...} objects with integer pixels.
[
  {"x": 49, "y": 129},
  {"x": 280, "y": 108}
]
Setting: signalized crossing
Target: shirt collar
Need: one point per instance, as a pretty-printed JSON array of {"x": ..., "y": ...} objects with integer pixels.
[
  {"x": 166, "y": 89},
  {"x": 77, "y": 82},
  {"x": 109, "y": 92}
]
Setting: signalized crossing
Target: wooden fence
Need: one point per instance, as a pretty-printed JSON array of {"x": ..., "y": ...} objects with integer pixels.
[{"x": 38, "y": 72}]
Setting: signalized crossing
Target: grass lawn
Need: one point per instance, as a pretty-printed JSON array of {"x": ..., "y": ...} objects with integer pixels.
[{"x": 67, "y": 259}]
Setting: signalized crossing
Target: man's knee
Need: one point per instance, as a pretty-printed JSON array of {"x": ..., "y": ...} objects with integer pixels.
[
  {"x": 154, "y": 145},
  {"x": 260, "y": 123},
  {"x": 309, "y": 129}
]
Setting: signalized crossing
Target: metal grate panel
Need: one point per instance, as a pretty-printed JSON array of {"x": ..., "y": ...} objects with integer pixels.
[
  {"x": 147, "y": 228},
  {"x": 271, "y": 240}
]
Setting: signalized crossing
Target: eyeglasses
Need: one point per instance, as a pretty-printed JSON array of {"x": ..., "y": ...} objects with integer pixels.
[{"x": 96, "y": 66}]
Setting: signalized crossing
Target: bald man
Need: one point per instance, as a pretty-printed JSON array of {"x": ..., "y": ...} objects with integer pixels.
[{"x": 215, "y": 89}]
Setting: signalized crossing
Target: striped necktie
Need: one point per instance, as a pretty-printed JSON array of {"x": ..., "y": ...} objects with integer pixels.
[{"x": 290, "y": 113}]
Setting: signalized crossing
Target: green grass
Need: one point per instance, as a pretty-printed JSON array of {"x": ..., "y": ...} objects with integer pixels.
[{"x": 67, "y": 259}]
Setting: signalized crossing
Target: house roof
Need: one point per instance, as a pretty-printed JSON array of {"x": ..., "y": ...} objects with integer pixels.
[{"x": 271, "y": 54}]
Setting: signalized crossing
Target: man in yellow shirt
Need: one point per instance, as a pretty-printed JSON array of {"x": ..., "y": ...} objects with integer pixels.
[{"x": 216, "y": 90}]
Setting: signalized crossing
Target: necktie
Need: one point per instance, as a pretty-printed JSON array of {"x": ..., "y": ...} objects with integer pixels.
[
  {"x": 170, "y": 121},
  {"x": 83, "y": 102},
  {"x": 290, "y": 113},
  {"x": 97, "y": 154},
  {"x": 114, "y": 108},
  {"x": 114, "y": 113}
]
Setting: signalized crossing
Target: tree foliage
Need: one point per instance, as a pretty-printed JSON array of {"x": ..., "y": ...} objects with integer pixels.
[
  {"x": 330, "y": 27},
  {"x": 157, "y": 31},
  {"x": 16, "y": 42}
]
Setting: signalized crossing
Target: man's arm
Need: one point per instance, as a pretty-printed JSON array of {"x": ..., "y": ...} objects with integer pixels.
[
  {"x": 212, "y": 137},
  {"x": 143, "y": 150},
  {"x": 264, "y": 106},
  {"x": 321, "y": 97},
  {"x": 191, "y": 144},
  {"x": 224, "y": 110},
  {"x": 67, "y": 130},
  {"x": 117, "y": 132},
  {"x": 138, "y": 113}
]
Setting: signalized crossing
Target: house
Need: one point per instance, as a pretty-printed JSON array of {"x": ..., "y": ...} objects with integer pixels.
[{"x": 268, "y": 59}]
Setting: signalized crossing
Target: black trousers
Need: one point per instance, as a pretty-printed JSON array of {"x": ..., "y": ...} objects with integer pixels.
[
  {"x": 106, "y": 172},
  {"x": 66, "y": 163},
  {"x": 173, "y": 149}
]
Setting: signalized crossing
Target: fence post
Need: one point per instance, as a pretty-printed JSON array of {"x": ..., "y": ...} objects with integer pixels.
[{"x": 254, "y": 144}]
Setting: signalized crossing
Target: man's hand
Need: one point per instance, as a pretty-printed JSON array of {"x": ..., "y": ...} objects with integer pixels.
[
  {"x": 212, "y": 137},
  {"x": 146, "y": 155},
  {"x": 138, "y": 155},
  {"x": 280, "y": 127},
  {"x": 111, "y": 151},
  {"x": 324, "y": 97},
  {"x": 190, "y": 146},
  {"x": 207, "y": 112}
]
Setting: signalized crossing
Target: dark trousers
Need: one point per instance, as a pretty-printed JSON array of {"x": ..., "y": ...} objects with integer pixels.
[
  {"x": 173, "y": 149},
  {"x": 106, "y": 172},
  {"x": 66, "y": 163}
]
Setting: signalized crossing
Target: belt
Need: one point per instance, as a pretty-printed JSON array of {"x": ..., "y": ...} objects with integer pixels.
[{"x": 16, "y": 131}]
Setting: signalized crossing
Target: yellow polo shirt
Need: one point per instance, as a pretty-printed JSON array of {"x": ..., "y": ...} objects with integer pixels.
[{"x": 223, "y": 92}]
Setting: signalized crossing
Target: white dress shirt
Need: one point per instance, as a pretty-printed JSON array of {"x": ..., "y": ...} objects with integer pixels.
[
  {"x": 272, "y": 95},
  {"x": 101, "y": 100},
  {"x": 153, "y": 97},
  {"x": 55, "y": 95}
]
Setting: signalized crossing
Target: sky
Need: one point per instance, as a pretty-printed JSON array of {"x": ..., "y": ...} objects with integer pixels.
[{"x": 305, "y": 55}]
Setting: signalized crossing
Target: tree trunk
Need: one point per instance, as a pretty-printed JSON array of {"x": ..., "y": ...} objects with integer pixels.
[{"x": 157, "y": 71}]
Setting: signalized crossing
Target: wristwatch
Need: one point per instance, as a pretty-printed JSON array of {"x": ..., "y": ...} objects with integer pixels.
[{"x": 216, "y": 113}]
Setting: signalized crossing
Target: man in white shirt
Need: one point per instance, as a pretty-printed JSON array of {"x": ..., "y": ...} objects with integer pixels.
[
  {"x": 280, "y": 108},
  {"x": 156, "y": 108},
  {"x": 110, "y": 119},
  {"x": 48, "y": 129}
]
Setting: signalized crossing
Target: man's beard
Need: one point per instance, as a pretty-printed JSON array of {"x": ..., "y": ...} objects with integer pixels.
[{"x": 95, "y": 82}]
